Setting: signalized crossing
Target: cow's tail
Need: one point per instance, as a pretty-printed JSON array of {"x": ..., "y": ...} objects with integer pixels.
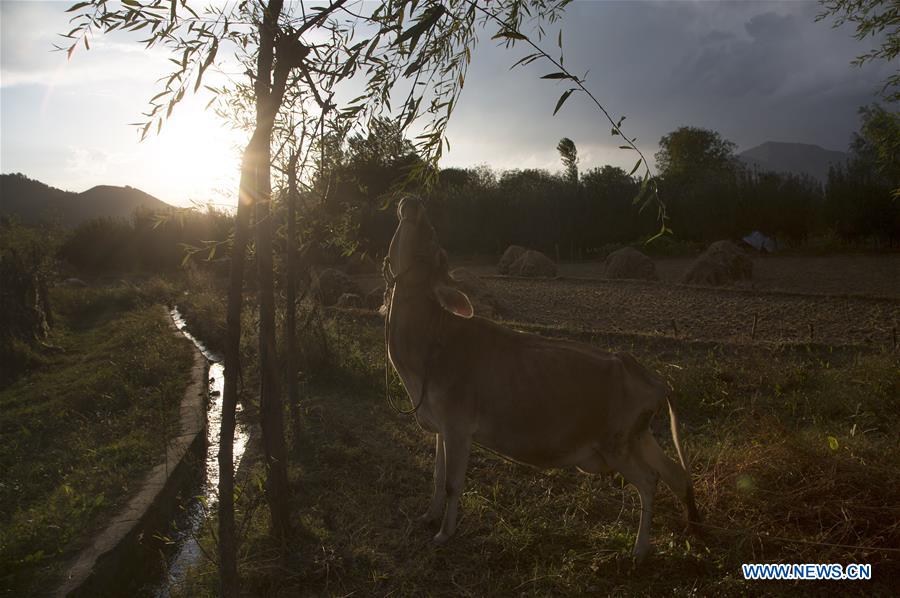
[
  {"x": 676, "y": 436},
  {"x": 693, "y": 515}
]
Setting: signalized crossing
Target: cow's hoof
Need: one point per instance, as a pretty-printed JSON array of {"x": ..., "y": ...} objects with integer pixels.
[{"x": 441, "y": 538}]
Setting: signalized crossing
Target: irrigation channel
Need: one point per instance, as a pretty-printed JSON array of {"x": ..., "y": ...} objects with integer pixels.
[{"x": 184, "y": 551}]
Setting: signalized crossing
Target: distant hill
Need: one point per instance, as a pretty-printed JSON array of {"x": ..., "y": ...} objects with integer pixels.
[
  {"x": 32, "y": 202},
  {"x": 796, "y": 158}
]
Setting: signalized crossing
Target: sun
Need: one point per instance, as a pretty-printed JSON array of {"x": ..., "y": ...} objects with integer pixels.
[{"x": 197, "y": 158}]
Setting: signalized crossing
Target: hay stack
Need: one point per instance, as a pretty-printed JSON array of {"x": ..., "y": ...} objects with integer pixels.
[
  {"x": 629, "y": 263},
  {"x": 512, "y": 253},
  {"x": 722, "y": 263},
  {"x": 330, "y": 284},
  {"x": 533, "y": 264},
  {"x": 483, "y": 301}
]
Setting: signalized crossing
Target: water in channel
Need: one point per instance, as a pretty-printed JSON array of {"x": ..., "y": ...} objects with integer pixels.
[{"x": 186, "y": 551}]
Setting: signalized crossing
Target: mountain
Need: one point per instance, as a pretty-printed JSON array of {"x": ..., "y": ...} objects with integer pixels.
[
  {"x": 32, "y": 202},
  {"x": 796, "y": 158}
]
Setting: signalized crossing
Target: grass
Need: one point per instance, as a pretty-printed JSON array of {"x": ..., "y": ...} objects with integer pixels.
[
  {"x": 79, "y": 431},
  {"x": 794, "y": 458}
]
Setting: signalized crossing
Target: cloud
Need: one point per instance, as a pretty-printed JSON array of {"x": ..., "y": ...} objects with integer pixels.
[
  {"x": 755, "y": 71},
  {"x": 92, "y": 163},
  {"x": 772, "y": 28}
]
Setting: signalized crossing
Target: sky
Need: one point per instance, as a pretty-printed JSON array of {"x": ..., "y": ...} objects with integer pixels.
[{"x": 754, "y": 71}]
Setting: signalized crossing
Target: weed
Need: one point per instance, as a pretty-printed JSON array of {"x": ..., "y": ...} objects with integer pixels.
[{"x": 79, "y": 431}]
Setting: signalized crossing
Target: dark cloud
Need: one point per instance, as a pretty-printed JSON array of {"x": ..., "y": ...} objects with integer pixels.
[
  {"x": 755, "y": 71},
  {"x": 716, "y": 36},
  {"x": 772, "y": 28}
]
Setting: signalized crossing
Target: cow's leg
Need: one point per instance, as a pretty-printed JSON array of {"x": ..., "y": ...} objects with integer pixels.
[
  {"x": 672, "y": 474},
  {"x": 456, "y": 451},
  {"x": 436, "y": 509},
  {"x": 644, "y": 478}
]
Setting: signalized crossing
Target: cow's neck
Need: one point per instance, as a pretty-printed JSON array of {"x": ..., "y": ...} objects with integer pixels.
[{"x": 414, "y": 326}]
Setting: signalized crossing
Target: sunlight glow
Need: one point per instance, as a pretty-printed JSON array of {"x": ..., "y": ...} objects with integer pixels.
[{"x": 196, "y": 155}]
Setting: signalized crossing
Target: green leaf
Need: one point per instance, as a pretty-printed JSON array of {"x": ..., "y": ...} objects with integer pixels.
[
  {"x": 636, "y": 166},
  {"x": 75, "y": 7},
  {"x": 415, "y": 66},
  {"x": 509, "y": 34},
  {"x": 833, "y": 443},
  {"x": 426, "y": 22},
  {"x": 562, "y": 100},
  {"x": 525, "y": 60},
  {"x": 559, "y": 75}
]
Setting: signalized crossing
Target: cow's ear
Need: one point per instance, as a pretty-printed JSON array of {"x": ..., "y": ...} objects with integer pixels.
[{"x": 454, "y": 301}]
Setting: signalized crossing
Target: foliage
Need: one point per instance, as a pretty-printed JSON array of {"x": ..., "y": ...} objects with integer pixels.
[
  {"x": 781, "y": 205},
  {"x": 694, "y": 153},
  {"x": 26, "y": 316},
  {"x": 568, "y": 153},
  {"x": 480, "y": 211},
  {"x": 78, "y": 433},
  {"x": 149, "y": 242},
  {"x": 878, "y": 19},
  {"x": 862, "y": 195},
  {"x": 878, "y": 142}
]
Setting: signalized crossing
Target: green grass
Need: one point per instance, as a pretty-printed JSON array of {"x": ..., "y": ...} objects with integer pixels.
[
  {"x": 793, "y": 452},
  {"x": 79, "y": 431}
]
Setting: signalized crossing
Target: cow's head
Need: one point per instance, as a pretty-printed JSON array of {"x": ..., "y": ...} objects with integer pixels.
[{"x": 417, "y": 262}]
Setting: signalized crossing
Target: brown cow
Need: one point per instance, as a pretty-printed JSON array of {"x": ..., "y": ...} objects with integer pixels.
[{"x": 548, "y": 403}]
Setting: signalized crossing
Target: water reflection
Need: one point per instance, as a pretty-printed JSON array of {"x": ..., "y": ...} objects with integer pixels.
[{"x": 187, "y": 552}]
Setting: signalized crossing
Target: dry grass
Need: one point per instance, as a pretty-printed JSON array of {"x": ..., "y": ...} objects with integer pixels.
[{"x": 761, "y": 427}]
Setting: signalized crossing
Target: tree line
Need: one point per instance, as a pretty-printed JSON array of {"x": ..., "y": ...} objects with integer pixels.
[{"x": 708, "y": 195}]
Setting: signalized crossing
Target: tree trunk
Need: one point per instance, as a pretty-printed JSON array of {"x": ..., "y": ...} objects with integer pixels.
[
  {"x": 228, "y": 577},
  {"x": 270, "y": 401},
  {"x": 290, "y": 323}
]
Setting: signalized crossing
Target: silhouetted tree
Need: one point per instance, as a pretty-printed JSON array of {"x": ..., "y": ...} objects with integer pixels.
[
  {"x": 861, "y": 194},
  {"x": 698, "y": 176},
  {"x": 568, "y": 153}
]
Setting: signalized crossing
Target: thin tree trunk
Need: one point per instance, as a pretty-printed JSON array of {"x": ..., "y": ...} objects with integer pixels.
[
  {"x": 270, "y": 400},
  {"x": 290, "y": 324},
  {"x": 228, "y": 577}
]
